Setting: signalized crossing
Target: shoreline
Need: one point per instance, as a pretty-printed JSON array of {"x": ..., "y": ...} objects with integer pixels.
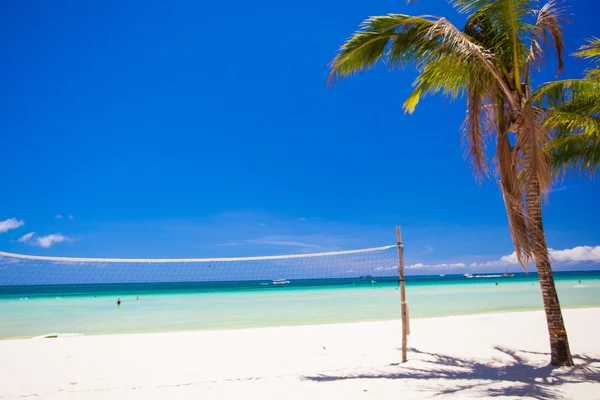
[
  {"x": 473, "y": 356},
  {"x": 485, "y": 313}
]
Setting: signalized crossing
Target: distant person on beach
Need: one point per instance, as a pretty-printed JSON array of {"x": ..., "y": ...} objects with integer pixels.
[
  {"x": 579, "y": 280},
  {"x": 137, "y": 298},
  {"x": 496, "y": 283},
  {"x": 119, "y": 301}
]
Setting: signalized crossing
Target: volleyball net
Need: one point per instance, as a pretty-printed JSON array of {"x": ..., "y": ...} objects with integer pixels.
[{"x": 351, "y": 265}]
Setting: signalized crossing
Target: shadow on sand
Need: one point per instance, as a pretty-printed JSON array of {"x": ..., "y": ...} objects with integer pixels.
[{"x": 499, "y": 378}]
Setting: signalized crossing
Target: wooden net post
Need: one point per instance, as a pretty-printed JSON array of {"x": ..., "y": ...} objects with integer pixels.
[{"x": 404, "y": 309}]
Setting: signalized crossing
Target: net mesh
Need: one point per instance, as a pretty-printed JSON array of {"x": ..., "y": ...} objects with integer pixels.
[{"x": 23, "y": 270}]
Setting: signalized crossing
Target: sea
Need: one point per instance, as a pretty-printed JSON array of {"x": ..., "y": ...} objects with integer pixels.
[{"x": 29, "y": 311}]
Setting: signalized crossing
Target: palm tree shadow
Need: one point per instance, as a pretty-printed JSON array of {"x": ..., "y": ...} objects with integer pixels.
[{"x": 516, "y": 378}]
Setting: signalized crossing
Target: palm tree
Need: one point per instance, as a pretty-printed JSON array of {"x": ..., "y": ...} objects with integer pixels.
[
  {"x": 572, "y": 113},
  {"x": 490, "y": 62}
]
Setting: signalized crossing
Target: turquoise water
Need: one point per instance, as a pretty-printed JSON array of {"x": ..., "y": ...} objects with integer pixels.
[{"x": 27, "y": 311}]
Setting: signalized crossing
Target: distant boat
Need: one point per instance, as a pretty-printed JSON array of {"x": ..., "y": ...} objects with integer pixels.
[
  {"x": 280, "y": 281},
  {"x": 442, "y": 275},
  {"x": 364, "y": 276},
  {"x": 505, "y": 275}
]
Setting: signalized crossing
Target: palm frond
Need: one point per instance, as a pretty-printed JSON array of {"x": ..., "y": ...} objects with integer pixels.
[
  {"x": 513, "y": 199},
  {"x": 369, "y": 43},
  {"x": 509, "y": 17},
  {"x": 398, "y": 39},
  {"x": 531, "y": 136},
  {"x": 557, "y": 93},
  {"x": 482, "y": 29},
  {"x": 449, "y": 36},
  {"x": 479, "y": 123},
  {"x": 450, "y": 73},
  {"x": 575, "y": 152},
  {"x": 572, "y": 122},
  {"x": 547, "y": 25},
  {"x": 571, "y": 110},
  {"x": 513, "y": 19},
  {"x": 446, "y": 74},
  {"x": 591, "y": 51}
]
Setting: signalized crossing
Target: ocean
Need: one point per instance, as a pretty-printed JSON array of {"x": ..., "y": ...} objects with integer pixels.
[{"x": 28, "y": 311}]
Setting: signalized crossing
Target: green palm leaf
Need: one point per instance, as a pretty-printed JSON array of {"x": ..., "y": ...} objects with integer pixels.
[{"x": 572, "y": 112}]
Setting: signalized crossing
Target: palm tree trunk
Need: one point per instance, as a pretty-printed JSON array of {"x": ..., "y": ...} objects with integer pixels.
[{"x": 559, "y": 342}]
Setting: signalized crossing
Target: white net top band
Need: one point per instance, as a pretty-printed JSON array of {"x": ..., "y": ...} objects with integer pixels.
[{"x": 189, "y": 260}]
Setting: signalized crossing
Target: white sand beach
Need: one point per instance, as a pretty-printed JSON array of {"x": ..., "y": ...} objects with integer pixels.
[{"x": 474, "y": 356}]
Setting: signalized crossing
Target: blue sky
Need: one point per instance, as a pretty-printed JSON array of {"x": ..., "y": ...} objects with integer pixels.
[{"x": 180, "y": 129}]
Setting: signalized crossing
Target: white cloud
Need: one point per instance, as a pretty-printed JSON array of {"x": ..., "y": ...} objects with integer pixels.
[
  {"x": 386, "y": 268},
  {"x": 58, "y": 216},
  {"x": 11, "y": 223},
  {"x": 421, "y": 265},
  {"x": 308, "y": 219},
  {"x": 26, "y": 237},
  {"x": 577, "y": 254},
  {"x": 572, "y": 256},
  {"x": 49, "y": 240},
  {"x": 71, "y": 217},
  {"x": 456, "y": 265}
]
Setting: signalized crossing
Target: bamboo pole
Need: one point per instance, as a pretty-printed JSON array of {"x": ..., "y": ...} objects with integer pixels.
[{"x": 402, "y": 293}]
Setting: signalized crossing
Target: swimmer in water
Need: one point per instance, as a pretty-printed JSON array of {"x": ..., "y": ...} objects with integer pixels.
[
  {"x": 579, "y": 280},
  {"x": 119, "y": 301},
  {"x": 496, "y": 283}
]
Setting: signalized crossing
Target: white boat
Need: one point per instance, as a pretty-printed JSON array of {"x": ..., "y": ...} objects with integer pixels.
[
  {"x": 280, "y": 281},
  {"x": 507, "y": 274},
  {"x": 467, "y": 275}
]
